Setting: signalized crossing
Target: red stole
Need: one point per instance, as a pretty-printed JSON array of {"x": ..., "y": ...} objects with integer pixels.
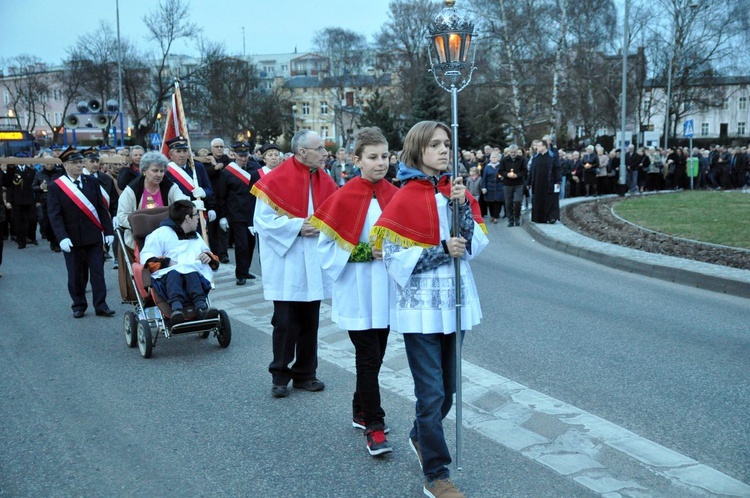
[
  {"x": 343, "y": 215},
  {"x": 444, "y": 185},
  {"x": 287, "y": 191},
  {"x": 411, "y": 219}
]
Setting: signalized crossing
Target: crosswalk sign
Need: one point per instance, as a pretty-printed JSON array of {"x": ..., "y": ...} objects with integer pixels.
[
  {"x": 156, "y": 140},
  {"x": 689, "y": 129}
]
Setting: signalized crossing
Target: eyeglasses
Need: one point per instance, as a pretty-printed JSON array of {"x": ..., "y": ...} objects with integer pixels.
[
  {"x": 193, "y": 215},
  {"x": 320, "y": 149}
]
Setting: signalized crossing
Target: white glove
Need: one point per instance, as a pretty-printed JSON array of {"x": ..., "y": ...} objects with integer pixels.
[
  {"x": 199, "y": 193},
  {"x": 115, "y": 223},
  {"x": 211, "y": 215},
  {"x": 199, "y": 205},
  {"x": 65, "y": 245},
  {"x": 108, "y": 239},
  {"x": 251, "y": 230},
  {"x": 224, "y": 224}
]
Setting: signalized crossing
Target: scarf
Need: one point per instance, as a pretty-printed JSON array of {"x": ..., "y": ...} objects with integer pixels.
[
  {"x": 411, "y": 218},
  {"x": 342, "y": 216},
  {"x": 287, "y": 191}
]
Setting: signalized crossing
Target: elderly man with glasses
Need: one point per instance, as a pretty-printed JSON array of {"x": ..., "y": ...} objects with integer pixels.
[{"x": 292, "y": 274}]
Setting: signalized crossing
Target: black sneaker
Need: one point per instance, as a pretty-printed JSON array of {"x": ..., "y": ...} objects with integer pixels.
[
  {"x": 279, "y": 391},
  {"x": 177, "y": 317},
  {"x": 358, "y": 422},
  {"x": 312, "y": 385},
  {"x": 377, "y": 444}
]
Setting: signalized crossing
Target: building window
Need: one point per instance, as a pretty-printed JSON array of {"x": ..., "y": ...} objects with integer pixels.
[
  {"x": 324, "y": 107},
  {"x": 580, "y": 131},
  {"x": 305, "y": 108},
  {"x": 601, "y": 132},
  {"x": 324, "y": 132},
  {"x": 741, "y": 128},
  {"x": 725, "y": 105},
  {"x": 704, "y": 129},
  {"x": 284, "y": 68},
  {"x": 6, "y": 98},
  {"x": 743, "y": 103}
]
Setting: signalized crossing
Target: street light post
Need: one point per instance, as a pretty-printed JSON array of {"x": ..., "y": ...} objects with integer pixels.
[{"x": 450, "y": 44}]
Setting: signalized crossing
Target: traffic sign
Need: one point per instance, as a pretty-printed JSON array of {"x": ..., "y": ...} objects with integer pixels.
[
  {"x": 689, "y": 129},
  {"x": 156, "y": 139}
]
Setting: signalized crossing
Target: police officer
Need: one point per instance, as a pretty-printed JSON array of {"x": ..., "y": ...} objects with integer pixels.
[
  {"x": 237, "y": 206},
  {"x": 80, "y": 221},
  {"x": 19, "y": 196}
]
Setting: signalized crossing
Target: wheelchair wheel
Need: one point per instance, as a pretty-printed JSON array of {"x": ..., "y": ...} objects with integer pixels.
[
  {"x": 224, "y": 335},
  {"x": 130, "y": 324},
  {"x": 144, "y": 338}
]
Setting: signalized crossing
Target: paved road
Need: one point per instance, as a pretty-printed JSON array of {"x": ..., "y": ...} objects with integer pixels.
[{"x": 581, "y": 381}]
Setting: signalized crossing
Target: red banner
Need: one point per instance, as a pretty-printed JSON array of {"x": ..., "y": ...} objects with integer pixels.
[{"x": 173, "y": 125}]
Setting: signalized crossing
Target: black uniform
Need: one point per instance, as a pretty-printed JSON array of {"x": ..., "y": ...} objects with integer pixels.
[
  {"x": 218, "y": 240},
  {"x": 237, "y": 205},
  {"x": 18, "y": 183},
  {"x": 45, "y": 177},
  {"x": 86, "y": 256}
]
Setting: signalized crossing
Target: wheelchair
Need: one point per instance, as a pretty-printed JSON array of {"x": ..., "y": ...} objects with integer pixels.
[{"x": 150, "y": 317}]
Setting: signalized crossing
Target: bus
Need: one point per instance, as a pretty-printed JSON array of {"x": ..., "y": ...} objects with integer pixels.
[{"x": 14, "y": 141}]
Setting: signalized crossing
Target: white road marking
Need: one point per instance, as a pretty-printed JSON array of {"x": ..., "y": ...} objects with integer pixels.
[{"x": 566, "y": 439}]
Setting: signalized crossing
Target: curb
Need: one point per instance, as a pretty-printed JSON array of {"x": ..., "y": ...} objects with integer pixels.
[{"x": 697, "y": 274}]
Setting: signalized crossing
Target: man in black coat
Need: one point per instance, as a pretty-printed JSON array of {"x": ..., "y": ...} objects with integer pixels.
[
  {"x": 80, "y": 220},
  {"x": 19, "y": 197},
  {"x": 545, "y": 179},
  {"x": 237, "y": 206},
  {"x": 218, "y": 239},
  {"x": 44, "y": 177},
  {"x": 108, "y": 187}
]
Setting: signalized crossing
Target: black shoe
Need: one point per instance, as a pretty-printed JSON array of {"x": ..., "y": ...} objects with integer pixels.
[
  {"x": 280, "y": 391},
  {"x": 358, "y": 422},
  {"x": 205, "y": 312},
  {"x": 107, "y": 255},
  {"x": 224, "y": 259},
  {"x": 312, "y": 385},
  {"x": 34, "y": 242},
  {"x": 511, "y": 223},
  {"x": 22, "y": 246},
  {"x": 518, "y": 223},
  {"x": 106, "y": 312},
  {"x": 250, "y": 276},
  {"x": 57, "y": 249},
  {"x": 78, "y": 313},
  {"x": 177, "y": 317},
  {"x": 115, "y": 265},
  {"x": 241, "y": 281}
]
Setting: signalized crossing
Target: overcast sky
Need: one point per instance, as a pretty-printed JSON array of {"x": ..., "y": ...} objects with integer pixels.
[{"x": 46, "y": 28}]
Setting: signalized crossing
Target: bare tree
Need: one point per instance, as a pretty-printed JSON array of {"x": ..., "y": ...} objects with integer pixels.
[
  {"x": 344, "y": 49},
  {"x": 28, "y": 87}
]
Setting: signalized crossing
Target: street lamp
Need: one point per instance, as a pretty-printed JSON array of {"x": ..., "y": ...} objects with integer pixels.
[
  {"x": 450, "y": 45},
  {"x": 294, "y": 119}
]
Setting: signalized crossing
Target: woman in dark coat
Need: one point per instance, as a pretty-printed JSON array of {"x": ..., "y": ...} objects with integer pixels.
[{"x": 492, "y": 186}]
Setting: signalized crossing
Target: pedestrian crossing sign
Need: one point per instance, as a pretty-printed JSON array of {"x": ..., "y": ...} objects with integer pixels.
[{"x": 688, "y": 130}]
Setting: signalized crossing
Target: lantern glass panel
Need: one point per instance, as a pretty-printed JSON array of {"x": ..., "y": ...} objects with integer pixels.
[
  {"x": 440, "y": 48},
  {"x": 454, "y": 42}
]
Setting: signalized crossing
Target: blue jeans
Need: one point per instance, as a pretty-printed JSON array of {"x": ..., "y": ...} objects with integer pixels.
[{"x": 432, "y": 361}]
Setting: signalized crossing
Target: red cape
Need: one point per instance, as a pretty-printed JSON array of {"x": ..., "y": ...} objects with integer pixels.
[
  {"x": 411, "y": 218},
  {"x": 288, "y": 189},
  {"x": 343, "y": 215}
]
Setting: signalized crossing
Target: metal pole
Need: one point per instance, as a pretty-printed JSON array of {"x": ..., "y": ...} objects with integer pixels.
[
  {"x": 119, "y": 75},
  {"x": 692, "y": 162},
  {"x": 669, "y": 99},
  {"x": 625, "y": 47},
  {"x": 457, "y": 268}
]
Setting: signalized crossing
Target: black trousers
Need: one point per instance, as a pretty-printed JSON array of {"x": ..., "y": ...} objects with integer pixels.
[
  {"x": 86, "y": 262},
  {"x": 295, "y": 337},
  {"x": 218, "y": 240},
  {"x": 24, "y": 223},
  {"x": 244, "y": 245},
  {"x": 369, "y": 350}
]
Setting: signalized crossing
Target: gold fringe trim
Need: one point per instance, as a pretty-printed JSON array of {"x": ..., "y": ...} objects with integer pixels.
[
  {"x": 483, "y": 226},
  {"x": 259, "y": 194},
  {"x": 377, "y": 234},
  {"x": 330, "y": 232}
]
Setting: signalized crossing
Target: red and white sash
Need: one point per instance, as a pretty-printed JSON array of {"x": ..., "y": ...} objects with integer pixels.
[
  {"x": 264, "y": 171},
  {"x": 181, "y": 176},
  {"x": 240, "y": 173},
  {"x": 105, "y": 197},
  {"x": 80, "y": 200}
]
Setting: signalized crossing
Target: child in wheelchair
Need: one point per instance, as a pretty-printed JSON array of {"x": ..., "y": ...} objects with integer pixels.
[{"x": 180, "y": 262}]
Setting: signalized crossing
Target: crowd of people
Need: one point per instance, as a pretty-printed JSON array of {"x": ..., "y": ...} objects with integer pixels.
[{"x": 370, "y": 228}]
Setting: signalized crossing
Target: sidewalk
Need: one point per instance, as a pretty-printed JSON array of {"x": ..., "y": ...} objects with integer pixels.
[{"x": 681, "y": 271}]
